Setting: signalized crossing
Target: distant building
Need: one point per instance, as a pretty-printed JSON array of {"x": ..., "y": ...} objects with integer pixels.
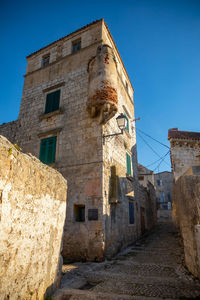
[
  {"x": 164, "y": 186},
  {"x": 185, "y": 150},
  {"x": 145, "y": 175}
]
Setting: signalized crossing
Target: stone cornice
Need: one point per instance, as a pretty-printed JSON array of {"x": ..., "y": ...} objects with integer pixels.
[{"x": 184, "y": 142}]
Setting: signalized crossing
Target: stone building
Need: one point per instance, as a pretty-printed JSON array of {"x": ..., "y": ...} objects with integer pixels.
[
  {"x": 145, "y": 175},
  {"x": 164, "y": 186},
  {"x": 185, "y": 150},
  {"x": 185, "y": 159},
  {"x": 73, "y": 91}
]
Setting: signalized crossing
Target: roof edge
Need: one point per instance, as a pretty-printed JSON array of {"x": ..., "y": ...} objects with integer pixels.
[
  {"x": 88, "y": 25},
  {"x": 174, "y": 133}
]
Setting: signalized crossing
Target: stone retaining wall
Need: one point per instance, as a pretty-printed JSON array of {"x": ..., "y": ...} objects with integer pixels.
[
  {"x": 186, "y": 212},
  {"x": 32, "y": 215}
]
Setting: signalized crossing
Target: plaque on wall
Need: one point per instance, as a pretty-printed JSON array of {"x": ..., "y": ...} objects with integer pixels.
[{"x": 92, "y": 214}]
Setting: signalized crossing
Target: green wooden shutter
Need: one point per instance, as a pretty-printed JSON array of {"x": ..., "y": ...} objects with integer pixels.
[
  {"x": 51, "y": 150},
  {"x": 56, "y": 100},
  {"x": 128, "y": 164},
  {"x": 52, "y": 101},
  {"x": 127, "y": 124},
  {"x": 48, "y": 150},
  {"x": 43, "y": 147}
]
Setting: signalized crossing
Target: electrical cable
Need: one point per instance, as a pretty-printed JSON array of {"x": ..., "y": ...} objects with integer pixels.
[
  {"x": 151, "y": 147},
  {"x": 152, "y": 138},
  {"x": 153, "y": 163},
  {"x": 161, "y": 161}
]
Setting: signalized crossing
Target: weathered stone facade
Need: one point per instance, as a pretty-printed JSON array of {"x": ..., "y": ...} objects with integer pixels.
[
  {"x": 185, "y": 158},
  {"x": 32, "y": 216},
  {"x": 94, "y": 87},
  {"x": 164, "y": 185},
  {"x": 148, "y": 209},
  {"x": 186, "y": 211},
  {"x": 185, "y": 150},
  {"x": 145, "y": 175}
]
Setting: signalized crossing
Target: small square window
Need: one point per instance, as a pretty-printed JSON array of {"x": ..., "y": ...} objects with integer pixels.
[
  {"x": 52, "y": 101},
  {"x": 79, "y": 212},
  {"x": 45, "y": 60},
  {"x": 48, "y": 150},
  {"x": 131, "y": 213},
  {"x": 76, "y": 46},
  {"x": 159, "y": 182}
]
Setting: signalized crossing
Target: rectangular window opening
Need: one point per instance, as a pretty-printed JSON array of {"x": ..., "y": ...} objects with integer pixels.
[
  {"x": 79, "y": 213},
  {"x": 45, "y": 60},
  {"x": 48, "y": 150},
  {"x": 76, "y": 46},
  {"x": 52, "y": 101}
]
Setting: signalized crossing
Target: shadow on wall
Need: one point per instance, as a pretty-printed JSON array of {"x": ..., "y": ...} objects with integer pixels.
[
  {"x": 58, "y": 272},
  {"x": 132, "y": 208}
]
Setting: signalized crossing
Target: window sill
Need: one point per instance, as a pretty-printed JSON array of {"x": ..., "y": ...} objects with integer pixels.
[{"x": 51, "y": 114}]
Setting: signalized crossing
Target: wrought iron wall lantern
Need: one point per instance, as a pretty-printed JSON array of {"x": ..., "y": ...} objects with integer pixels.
[{"x": 121, "y": 122}]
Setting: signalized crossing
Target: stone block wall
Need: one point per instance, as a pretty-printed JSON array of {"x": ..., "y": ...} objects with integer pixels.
[
  {"x": 164, "y": 185},
  {"x": 184, "y": 156},
  {"x": 186, "y": 211},
  {"x": 148, "y": 204},
  {"x": 151, "y": 207},
  {"x": 32, "y": 216}
]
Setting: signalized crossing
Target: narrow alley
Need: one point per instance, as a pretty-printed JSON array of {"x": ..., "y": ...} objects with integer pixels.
[{"x": 150, "y": 269}]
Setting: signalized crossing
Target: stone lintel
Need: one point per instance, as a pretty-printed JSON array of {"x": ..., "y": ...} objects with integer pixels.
[
  {"x": 53, "y": 87},
  {"x": 49, "y": 132}
]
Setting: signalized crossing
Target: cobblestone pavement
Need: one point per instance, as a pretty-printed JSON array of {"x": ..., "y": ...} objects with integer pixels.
[{"x": 150, "y": 269}]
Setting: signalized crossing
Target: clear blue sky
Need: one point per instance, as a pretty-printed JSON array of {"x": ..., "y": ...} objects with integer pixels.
[{"x": 159, "y": 42}]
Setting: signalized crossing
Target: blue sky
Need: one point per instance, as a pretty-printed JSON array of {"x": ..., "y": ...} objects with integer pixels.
[{"x": 159, "y": 42}]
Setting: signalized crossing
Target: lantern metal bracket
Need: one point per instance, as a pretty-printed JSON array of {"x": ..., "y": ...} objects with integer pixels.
[{"x": 109, "y": 135}]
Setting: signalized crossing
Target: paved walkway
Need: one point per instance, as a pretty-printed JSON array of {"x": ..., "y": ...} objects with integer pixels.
[{"x": 150, "y": 269}]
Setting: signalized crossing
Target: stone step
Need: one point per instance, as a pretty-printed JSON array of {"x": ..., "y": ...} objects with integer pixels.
[
  {"x": 74, "y": 294},
  {"x": 117, "y": 276}
]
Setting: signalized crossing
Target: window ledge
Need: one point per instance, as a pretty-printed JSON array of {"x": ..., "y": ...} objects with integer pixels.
[{"x": 51, "y": 114}]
